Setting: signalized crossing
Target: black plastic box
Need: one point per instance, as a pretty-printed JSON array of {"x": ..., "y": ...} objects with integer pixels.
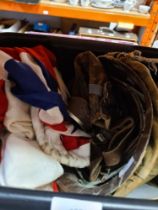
[{"x": 65, "y": 49}]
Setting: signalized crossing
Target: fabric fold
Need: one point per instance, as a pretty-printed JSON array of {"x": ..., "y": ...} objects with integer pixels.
[
  {"x": 24, "y": 165},
  {"x": 17, "y": 119}
]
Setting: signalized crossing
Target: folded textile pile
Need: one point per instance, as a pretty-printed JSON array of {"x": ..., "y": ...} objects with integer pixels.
[
  {"x": 100, "y": 137},
  {"x": 37, "y": 133}
]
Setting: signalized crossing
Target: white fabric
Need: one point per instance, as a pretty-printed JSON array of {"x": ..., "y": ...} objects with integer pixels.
[
  {"x": 3, "y": 58},
  {"x": 24, "y": 165},
  {"x": 52, "y": 116}
]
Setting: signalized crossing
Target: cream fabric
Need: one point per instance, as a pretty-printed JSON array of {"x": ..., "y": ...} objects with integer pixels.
[
  {"x": 49, "y": 140},
  {"x": 24, "y": 165},
  {"x": 17, "y": 118}
]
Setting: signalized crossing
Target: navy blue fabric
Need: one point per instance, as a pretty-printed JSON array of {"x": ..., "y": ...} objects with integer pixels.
[
  {"x": 30, "y": 89},
  {"x": 50, "y": 81}
]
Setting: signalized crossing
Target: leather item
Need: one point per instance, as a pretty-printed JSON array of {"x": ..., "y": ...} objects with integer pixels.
[
  {"x": 85, "y": 84},
  {"x": 118, "y": 114},
  {"x": 113, "y": 155},
  {"x": 146, "y": 69}
]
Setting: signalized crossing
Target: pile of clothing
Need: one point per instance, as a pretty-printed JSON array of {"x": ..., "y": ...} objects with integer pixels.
[
  {"x": 98, "y": 137},
  {"x": 36, "y": 131}
]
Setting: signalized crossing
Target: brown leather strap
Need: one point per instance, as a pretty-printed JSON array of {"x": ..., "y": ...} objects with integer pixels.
[
  {"x": 113, "y": 156},
  {"x": 95, "y": 89}
]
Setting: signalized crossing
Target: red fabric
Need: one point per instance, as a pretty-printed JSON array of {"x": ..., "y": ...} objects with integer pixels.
[
  {"x": 39, "y": 52},
  {"x": 11, "y": 51},
  {"x": 69, "y": 142},
  {"x": 3, "y": 103},
  {"x": 55, "y": 187},
  {"x": 73, "y": 142},
  {"x": 58, "y": 127}
]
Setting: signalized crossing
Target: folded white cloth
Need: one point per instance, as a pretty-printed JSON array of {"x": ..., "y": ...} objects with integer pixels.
[
  {"x": 24, "y": 165},
  {"x": 17, "y": 118}
]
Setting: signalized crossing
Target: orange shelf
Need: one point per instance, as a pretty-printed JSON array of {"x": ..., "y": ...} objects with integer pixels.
[
  {"x": 67, "y": 11},
  {"x": 46, "y": 7},
  {"x": 152, "y": 27}
]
